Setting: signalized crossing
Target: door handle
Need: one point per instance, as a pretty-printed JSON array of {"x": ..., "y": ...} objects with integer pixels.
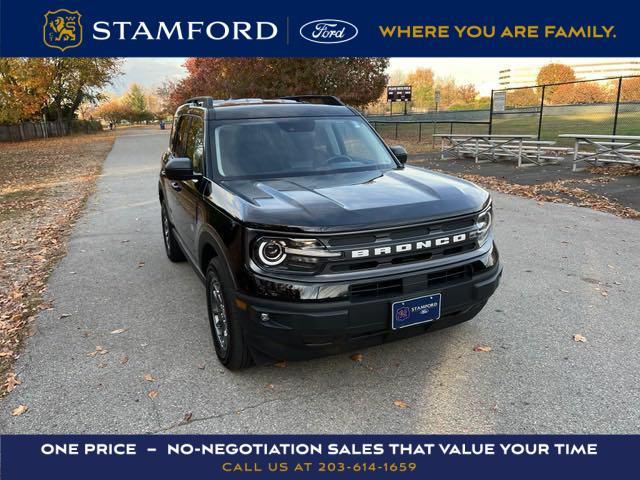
[{"x": 176, "y": 186}]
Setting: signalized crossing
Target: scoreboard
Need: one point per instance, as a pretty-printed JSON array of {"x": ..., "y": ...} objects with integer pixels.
[{"x": 399, "y": 93}]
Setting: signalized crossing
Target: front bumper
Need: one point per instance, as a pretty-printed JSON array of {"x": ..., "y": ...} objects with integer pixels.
[{"x": 299, "y": 329}]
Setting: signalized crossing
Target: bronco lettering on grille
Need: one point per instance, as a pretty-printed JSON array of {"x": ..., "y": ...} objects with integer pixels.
[{"x": 409, "y": 247}]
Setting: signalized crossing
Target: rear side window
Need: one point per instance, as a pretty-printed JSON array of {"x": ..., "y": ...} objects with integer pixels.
[
  {"x": 195, "y": 144},
  {"x": 179, "y": 146}
]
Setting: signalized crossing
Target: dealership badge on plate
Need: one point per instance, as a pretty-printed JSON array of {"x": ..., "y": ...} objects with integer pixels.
[{"x": 415, "y": 311}]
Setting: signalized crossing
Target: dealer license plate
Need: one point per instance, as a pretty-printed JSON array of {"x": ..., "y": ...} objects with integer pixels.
[{"x": 415, "y": 311}]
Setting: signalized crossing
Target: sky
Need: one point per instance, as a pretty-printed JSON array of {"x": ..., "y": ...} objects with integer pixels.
[{"x": 482, "y": 72}]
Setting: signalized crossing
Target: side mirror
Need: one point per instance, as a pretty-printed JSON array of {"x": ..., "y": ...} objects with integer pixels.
[
  {"x": 400, "y": 153},
  {"x": 180, "y": 169}
]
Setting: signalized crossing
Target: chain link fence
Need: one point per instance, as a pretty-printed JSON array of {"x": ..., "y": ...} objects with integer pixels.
[
  {"x": 422, "y": 132},
  {"x": 609, "y": 106}
]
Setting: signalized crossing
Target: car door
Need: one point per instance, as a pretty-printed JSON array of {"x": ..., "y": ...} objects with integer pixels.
[
  {"x": 190, "y": 195},
  {"x": 173, "y": 188}
]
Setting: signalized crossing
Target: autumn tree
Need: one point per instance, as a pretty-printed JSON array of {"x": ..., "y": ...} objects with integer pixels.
[
  {"x": 136, "y": 102},
  {"x": 456, "y": 96},
  {"x": 357, "y": 81},
  {"x": 24, "y": 86},
  {"x": 590, "y": 92},
  {"x": 466, "y": 93},
  {"x": 154, "y": 104},
  {"x": 557, "y": 73},
  {"x": 163, "y": 94},
  {"x": 448, "y": 91},
  {"x": 74, "y": 81},
  {"x": 114, "y": 110},
  {"x": 422, "y": 86},
  {"x": 630, "y": 90},
  {"x": 522, "y": 97}
]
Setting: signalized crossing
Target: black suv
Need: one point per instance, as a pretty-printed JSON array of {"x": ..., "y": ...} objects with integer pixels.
[{"x": 312, "y": 235}]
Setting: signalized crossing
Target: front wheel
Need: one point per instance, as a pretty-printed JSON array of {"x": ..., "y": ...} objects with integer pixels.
[{"x": 228, "y": 338}]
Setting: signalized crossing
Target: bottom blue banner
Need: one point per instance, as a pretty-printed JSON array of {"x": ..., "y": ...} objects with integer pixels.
[{"x": 315, "y": 456}]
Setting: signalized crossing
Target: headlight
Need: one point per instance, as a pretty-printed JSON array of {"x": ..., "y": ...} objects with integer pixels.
[
  {"x": 272, "y": 252},
  {"x": 484, "y": 224},
  {"x": 291, "y": 253}
]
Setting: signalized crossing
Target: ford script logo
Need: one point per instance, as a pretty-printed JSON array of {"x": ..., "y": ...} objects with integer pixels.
[{"x": 328, "y": 31}]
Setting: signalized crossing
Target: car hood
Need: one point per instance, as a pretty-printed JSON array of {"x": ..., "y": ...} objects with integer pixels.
[{"x": 348, "y": 201}]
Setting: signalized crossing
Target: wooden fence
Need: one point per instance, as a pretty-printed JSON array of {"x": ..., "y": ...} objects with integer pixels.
[{"x": 30, "y": 130}]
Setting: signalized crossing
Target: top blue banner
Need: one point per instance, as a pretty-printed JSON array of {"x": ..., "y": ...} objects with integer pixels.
[{"x": 194, "y": 28}]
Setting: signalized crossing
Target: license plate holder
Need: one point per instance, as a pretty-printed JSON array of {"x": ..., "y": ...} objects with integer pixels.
[{"x": 415, "y": 311}]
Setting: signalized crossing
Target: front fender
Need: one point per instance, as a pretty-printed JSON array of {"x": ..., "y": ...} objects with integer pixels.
[{"x": 209, "y": 237}]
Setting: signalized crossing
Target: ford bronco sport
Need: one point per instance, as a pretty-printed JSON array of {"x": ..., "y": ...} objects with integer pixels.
[{"x": 311, "y": 235}]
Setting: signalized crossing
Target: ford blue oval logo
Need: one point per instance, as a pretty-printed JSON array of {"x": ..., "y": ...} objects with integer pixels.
[{"x": 328, "y": 30}]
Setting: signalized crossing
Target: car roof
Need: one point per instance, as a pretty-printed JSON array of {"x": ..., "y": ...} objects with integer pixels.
[
  {"x": 269, "y": 110},
  {"x": 246, "y": 108}
]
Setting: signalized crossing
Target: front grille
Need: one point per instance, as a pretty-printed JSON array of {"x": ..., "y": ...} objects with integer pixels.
[
  {"x": 389, "y": 288},
  {"x": 388, "y": 260},
  {"x": 393, "y": 237},
  {"x": 376, "y": 289},
  {"x": 446, "y": 277}
]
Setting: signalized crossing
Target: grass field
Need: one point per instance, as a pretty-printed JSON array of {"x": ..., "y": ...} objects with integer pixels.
[
  {"x": 553, "y": 125},
  {"x": 554, "y": 122},
  {"x": 414, "y": 132}
]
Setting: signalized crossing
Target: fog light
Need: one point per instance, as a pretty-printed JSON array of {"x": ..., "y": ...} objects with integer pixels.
[{"x": 264, "y": 317}]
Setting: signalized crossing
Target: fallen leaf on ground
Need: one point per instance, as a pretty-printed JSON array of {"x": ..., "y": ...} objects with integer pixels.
[
  {"x": 12, "y": 381},
  {"x": 140, "y": 264},
  {"x": 149, "y": 378},
  {"x": 19, "y": 410},
  {"x": 400, "y": 404},
  {"x": 124, "y": 360},
  {"x": 64, "y": 315},
  {"x": 482, "y": 348},
  {"x": 152, "y": 394},
  {"x": 187, "y": 417},
  {"x": 98, "y": 351},
  {"x": 357, "y": 357},
  {"x": 280, "y": 364},
  {"x": 200, "y": 366},
  {"x": 579, "y": 338},
  {"x": 118, "y": 331},
  {"x": 270, "y": 386}
]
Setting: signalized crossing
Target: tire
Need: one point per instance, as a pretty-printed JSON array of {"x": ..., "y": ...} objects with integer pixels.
[
  {"x": 226, "y": 330},
  {"x": 171, "y": 245}
]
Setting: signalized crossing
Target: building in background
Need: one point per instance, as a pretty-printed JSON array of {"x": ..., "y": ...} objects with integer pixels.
[{"x": 525, "y": 76}]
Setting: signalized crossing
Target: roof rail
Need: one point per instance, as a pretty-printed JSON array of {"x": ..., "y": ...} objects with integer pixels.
[
  {"x": 322, "y": 99},
  {"x": 202, "y": 101}
]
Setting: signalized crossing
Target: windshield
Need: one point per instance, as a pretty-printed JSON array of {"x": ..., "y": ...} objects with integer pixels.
[{"x": 279, "y": 147}]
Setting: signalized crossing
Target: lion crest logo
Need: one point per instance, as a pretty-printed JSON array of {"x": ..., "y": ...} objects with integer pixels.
[{"x": 62, "y": 29}]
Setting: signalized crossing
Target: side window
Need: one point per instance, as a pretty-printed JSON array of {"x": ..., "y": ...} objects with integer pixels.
[
  {"x": 180, "y": 139},
  {"x": 195, "y": 143}
]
